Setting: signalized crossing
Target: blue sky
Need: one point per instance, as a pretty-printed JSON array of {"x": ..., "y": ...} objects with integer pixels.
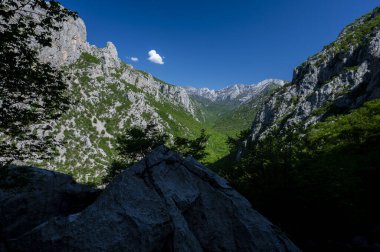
[{"x": 215, "y": 43}]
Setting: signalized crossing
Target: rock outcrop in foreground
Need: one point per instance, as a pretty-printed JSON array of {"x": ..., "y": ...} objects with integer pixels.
[
  {"x": 30, "y": 196},
  {"x": 163, "y": 203}
]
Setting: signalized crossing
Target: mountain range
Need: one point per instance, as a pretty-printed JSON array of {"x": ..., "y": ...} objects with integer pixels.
[
  {"x": 109, "y": 96},
  {"x": 238, "y": 93}
]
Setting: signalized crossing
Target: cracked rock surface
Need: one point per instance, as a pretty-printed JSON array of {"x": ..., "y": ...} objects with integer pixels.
[
  {"x": 30, "y": 196},
  {"x": 163, "y": 203}
]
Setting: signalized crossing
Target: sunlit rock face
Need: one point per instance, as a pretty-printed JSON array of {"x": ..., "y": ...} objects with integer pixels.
[
  {"x": 163, "y": 203},
  {"x": 68, "y": 44},
  {"x": 343, "y": 76}
]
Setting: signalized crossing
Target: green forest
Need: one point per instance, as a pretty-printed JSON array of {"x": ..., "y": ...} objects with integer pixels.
[{"x": 317, "y": 182}]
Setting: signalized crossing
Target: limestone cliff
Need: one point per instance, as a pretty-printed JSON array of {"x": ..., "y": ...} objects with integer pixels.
[{"x": 341, "y": 77}]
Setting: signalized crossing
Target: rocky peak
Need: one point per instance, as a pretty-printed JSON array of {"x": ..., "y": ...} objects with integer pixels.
[
  {"x": 71, "y": 41},
  {"x": 112, "y": 50},
  {"x": 202, "y": 92},
  {"x": 163, "y": 203},
  {"x": 108, "y": 55},
  {"x": 243, "y": 93},
  {"x": 68, "y": 44},
  {"x": 237, "y": 92}
]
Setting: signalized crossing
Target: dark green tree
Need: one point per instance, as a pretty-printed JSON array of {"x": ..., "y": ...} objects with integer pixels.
[
  {"x": 31, "y": 92},
  {"x": 136, "y": 142},
  {"x": 194, "y": 147},
  {"x": 134, "y": 145},
  {"x": 234, "y": 142},
  {"x": 306, "y": 179}
]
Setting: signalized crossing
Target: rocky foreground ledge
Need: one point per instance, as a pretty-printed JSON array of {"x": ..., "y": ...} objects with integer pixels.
[{"x": 163, "y": 203}]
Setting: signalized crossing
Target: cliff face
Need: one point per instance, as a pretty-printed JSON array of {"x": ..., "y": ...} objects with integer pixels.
[
  {"x": 163, "y": 203},
  {"x": 71, "y": 42},
  {"x": 341, "y": 77},
  {"x": 68, "y": 44}
]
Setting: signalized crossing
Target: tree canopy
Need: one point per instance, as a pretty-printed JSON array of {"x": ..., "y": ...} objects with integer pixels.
[
  {"x": 326, "y": 175},
  {"x": 194, "y": 147},
  {"x": 136, "y": 142},
  {"x": 32, "y": 93},
  {"x": 133, "y": 145}
]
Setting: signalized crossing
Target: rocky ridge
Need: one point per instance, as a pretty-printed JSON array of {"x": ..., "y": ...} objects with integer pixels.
[
  {"x": 343, "y": 76},
  {"x": 71, "y": 42},
  {"x": 163, "y": 203},
  {"x": 238, "y": 92},
  {"x": 108, "y": 96}
]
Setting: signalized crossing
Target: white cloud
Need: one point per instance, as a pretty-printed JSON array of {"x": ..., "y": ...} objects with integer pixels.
[
  {"x": 134, "y": 59},
  {"x": 155, "y": 57}
]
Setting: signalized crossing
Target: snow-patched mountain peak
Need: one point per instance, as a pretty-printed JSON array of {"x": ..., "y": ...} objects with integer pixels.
[{"x": 236, "y": 92}]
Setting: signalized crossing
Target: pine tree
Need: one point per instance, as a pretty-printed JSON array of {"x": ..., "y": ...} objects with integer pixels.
[
  {"x": 196, "y": 147},
  {"x": 134, "y": 145}
]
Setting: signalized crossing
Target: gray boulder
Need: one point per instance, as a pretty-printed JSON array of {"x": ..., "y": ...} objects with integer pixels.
[
  {"x": 163, "y": 203},
  {"x": 31, "y": 196}
]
